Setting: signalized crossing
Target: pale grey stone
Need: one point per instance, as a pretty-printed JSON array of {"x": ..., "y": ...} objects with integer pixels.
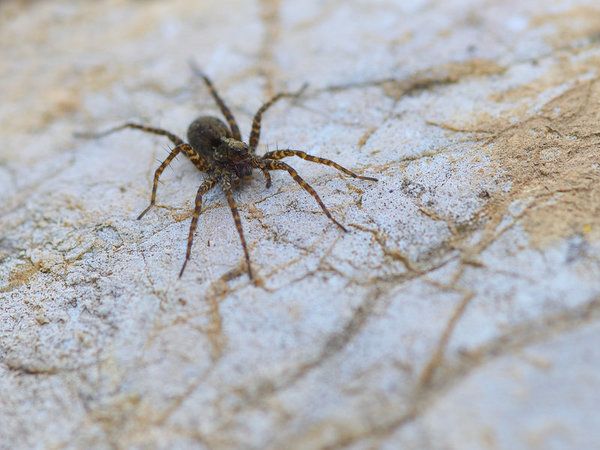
[{"x": 460, "y": 311}]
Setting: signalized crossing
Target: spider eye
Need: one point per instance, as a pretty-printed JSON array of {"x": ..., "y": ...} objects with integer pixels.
[{"x": 235, "y": 147}]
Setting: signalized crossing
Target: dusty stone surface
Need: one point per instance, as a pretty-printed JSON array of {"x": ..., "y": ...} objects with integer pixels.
[{"x": 460, "y": 312}]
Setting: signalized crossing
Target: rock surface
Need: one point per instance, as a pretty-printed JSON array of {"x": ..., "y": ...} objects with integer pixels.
[{"x": 461, "y": 311}]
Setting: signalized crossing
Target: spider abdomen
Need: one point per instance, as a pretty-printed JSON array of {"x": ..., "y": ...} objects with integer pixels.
[{"x": 205, "y": 133}]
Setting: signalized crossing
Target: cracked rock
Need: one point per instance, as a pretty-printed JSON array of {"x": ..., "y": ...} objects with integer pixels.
[{"x": 458, "y": 312}]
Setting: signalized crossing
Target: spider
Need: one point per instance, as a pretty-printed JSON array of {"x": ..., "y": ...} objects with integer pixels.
[{"x": 219, "y": 151}]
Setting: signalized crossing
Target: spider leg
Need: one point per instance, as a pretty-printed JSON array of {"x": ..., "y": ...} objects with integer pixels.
[
  {"x": 235, "y": 130},
  {"x": 201, "y": 164},
  {"x": 190, "y": 153},
  {"x": 203, "y": 189},
  {"x": 175, "y": 139},
  {"x": 157, "y": 175},
  {"x": 279, "y": 154},
  {"x": 256, "y": 123},
  {"x": 267, "y": 177},
  {"x": 278, "y": 165},
  {"x": 238, "y": 225}
]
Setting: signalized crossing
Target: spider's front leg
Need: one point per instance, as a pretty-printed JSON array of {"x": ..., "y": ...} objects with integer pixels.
[
  {"x": 267, "y": 176},
  {"x": 280, "y": 154},
  {"x": 279, "y": 165},
  {"x": 226, "y": 184}
]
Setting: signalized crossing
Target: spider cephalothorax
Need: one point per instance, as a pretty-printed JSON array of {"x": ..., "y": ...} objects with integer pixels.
[
  {"x": 217, "y": 150},
  {"x": 234, "y": 155}
]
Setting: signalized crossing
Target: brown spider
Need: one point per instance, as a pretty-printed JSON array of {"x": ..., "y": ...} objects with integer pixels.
[{"x": 220, "y": 152}]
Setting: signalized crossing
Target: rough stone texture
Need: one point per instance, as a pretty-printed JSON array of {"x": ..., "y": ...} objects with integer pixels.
[{"x": 462, "y": 310}]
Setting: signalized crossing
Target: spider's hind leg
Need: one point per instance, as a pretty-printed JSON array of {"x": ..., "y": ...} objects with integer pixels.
[
  {"x": 256, "y": 122},
  {"x": 235, "y": 130},
  {"x": 159, "y": 131}
]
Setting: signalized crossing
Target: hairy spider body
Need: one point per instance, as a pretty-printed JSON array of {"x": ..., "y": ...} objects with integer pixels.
[
  {"x": 211, "y": 139},
  {"x": 205, "y": 133},
  {"x": 217, "y": 149}
]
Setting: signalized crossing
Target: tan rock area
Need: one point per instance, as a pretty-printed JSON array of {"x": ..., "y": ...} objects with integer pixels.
[{"x": 460, "y": 311}]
